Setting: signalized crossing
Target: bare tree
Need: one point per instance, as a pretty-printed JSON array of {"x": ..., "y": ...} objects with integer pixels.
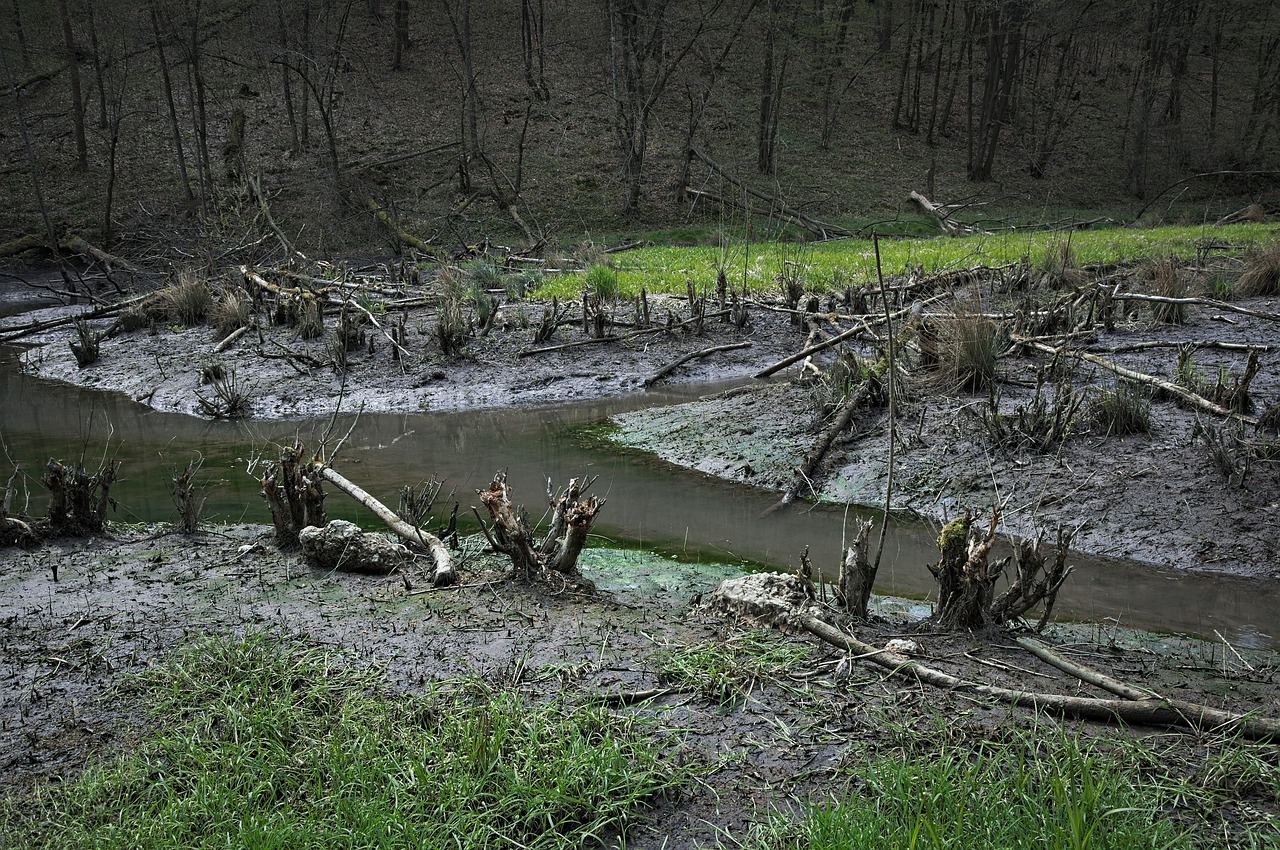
[
  {"x": 532, "y": 17},
  {"x": 73, "y": 71},
  {"x": 400, "y": 31},
  {"x": 1005, "y": 22},
  {"x": 641, "y": 62},
  {"x": 169, "y": 101}
]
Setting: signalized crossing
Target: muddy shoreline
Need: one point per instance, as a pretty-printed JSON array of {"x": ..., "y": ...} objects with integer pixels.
[{"x": 1157, "y": 498}]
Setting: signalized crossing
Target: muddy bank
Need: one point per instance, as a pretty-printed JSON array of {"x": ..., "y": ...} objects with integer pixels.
[
  {"x": 1159, "y": 497},
  {"x": 771, "y": 716}
]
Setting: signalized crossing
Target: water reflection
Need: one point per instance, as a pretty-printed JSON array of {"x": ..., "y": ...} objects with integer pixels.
[{"x": 648, "y": 502}]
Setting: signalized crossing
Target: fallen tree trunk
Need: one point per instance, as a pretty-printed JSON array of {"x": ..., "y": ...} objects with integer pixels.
[
  {"x": 444, "y": 572},
  {"x": 402, "y": 236},
  {"x": 939, "y": 214},
  {"x": 812, "y": 458},
  {"x": 37, "y": 327},
  {"x": 1147, "y": 712},
  {"x": 695, "y": 355},
  {"x": 1199, "y": 302}
]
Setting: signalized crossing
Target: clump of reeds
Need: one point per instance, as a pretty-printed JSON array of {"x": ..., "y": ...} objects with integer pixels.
[
  {"x": 1261, "y": 276},
  {"x": 1167, "y": 281}
]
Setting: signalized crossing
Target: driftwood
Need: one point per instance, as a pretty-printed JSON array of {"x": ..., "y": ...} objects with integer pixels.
[
  {"x": 813, "y": 458},
  {"x": 1196, "y": 344},
  {"x": 19, "y": 331},
  {"x": 783, "y": 601},
  {"x": 1200, "y": 302},
  {"x": 810, "y": 350},
  {"x": 444, "y": 572},
  {"x": 1146, "y": 712},
  {"x": 696, "y": 355},
  {"x": 1192, "y": 398},
  {"x": 230, "y": 339},
  {"x": 510, "y": 534}
]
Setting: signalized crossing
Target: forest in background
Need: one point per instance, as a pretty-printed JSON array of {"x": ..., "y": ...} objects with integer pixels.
[{"x": 543, "y": 120}]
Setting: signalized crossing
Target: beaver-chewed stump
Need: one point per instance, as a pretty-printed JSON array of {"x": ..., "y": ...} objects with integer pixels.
[
  {"x": 341, "y": 545},
  {"x": 779, "y": 599}
]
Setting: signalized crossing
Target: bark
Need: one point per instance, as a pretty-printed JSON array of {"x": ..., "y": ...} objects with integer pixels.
[
  {"x": 1149, "y": 712},
  {"x": 444, "y": 572},
  {"x": 294, "y": 496},
  {"x": 696, "y": 355}
]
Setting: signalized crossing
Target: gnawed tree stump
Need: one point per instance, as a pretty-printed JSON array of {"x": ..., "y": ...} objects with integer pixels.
[
  {"x": 857, "y": 574},
  {"x": 966, "y": 577},
  {"x": 293, "y": 493},
  {"x": 510, "y": 534},
  {"x": 780, "y": 599},
  {"x": 78, "y": 501},
  {"x": 1035, "y": 580},
  {"x": 341, "y": 545}
]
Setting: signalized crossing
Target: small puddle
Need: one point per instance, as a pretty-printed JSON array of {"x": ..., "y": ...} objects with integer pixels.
[{"x": 650, "y": 504}]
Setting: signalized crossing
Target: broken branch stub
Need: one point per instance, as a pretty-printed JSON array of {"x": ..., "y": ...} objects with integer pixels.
[{"x": 510, "y": 534}]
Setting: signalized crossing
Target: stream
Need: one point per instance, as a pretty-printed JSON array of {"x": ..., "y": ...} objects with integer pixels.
[{"x": 650, "y": 504}]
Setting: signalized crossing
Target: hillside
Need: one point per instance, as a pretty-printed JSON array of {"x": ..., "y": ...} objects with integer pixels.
[{"x": 850, "y": 105}]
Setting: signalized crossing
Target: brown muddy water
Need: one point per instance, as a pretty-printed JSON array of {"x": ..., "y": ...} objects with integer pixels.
[{"x": 650, "y": 504}]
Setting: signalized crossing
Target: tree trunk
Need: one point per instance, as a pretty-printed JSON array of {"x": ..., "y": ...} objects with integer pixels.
[
  {"x": 173, "y": 108},
  {"x": 73, "y": 71}
]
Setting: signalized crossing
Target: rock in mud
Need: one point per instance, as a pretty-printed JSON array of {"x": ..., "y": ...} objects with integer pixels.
[
  {"x": 341, "y": 545},
  {"x": 775, "y": 598}
]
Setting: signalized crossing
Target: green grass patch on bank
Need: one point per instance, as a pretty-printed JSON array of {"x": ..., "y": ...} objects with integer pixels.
[
  {"x": 837, "y": 263},
  {"x": 1054, "y": 794},
  {"x": 264, "y": 743}
]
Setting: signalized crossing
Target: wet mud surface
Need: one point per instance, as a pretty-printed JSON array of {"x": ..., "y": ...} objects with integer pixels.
[
  {"x": 120, "y": 601},
  {"x": 790, "y": 728}
]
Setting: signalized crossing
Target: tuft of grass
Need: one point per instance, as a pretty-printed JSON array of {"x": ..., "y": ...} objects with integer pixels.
[
  {"x": 485, "y": 274},
  {"x": 1261, "y": 276},
  {"x": 232, "y": 311},
  {"x": 87, "y": 346},
  {"x": 189, "y": 299},
  {"x": 967, "y": 347},
  {"x": 725, "y": 672},
  {"x": 1167, "y": 281},
  {"x": 268, "y": 743},
  {"x": 229, "y": 400},
  {"x": 1052, "y": 791},
  {"x": 1122, "y": 409},
  {"x": 602, "y": 284}
]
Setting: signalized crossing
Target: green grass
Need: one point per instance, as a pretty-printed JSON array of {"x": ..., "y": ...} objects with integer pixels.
[
  {"x": 266, "y": 743},
  {"x": 726, "y": 671},
  {"x": 1052, "y": 792},
  {"x": 666, "y": 269}
]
